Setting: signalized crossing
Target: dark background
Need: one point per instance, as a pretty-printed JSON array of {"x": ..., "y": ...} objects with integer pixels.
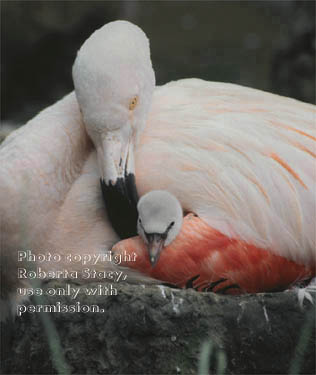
[{"x": 268, "y": 45}]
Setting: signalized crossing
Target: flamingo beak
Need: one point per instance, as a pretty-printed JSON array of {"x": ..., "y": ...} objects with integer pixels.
[
  {"x": 116, "y": 162},
  {"x": 156, "y": 243}
]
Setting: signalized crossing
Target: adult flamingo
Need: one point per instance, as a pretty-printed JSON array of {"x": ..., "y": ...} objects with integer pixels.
[
  {"x": 50, "y": 197},
  {"x": 242, "y": 159}
]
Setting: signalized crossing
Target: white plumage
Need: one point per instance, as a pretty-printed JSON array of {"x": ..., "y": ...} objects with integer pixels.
[{"x": 242, "y": 159}]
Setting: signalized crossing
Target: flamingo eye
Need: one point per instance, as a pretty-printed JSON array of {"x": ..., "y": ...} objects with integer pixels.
[
  {"x": 167, "y": 230},
  {"x": 171, "y": 225},
  {"x": 133, "y": 103}
]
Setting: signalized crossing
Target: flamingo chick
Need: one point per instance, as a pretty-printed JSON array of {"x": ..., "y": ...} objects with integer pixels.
[
  {"x": 159, "y": 221},
  {"x": 194, "y": 254}
]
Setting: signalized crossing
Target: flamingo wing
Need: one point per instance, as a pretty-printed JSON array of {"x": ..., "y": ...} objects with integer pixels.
[
  {"x": 240, "y": 158},
  {"x": 207, "y": 260}
]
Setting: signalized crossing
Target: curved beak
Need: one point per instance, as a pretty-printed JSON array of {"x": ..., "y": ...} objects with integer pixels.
[
  {"x": 116, "y": 161},
  {"x": 117, "y": 166},
  {"x": 155, "y": 245}
]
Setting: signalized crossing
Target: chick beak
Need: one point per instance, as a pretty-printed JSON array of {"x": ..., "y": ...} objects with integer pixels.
[{"x": 155, "y": 245}]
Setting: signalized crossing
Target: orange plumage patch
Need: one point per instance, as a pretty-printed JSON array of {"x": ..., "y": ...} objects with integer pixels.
[{"x": 205, "y": 259}]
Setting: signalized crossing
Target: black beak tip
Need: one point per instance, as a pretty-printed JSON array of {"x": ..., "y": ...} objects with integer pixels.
[
  {"x": 120, "y": 200},
  {"x": 131, "y": 189}
]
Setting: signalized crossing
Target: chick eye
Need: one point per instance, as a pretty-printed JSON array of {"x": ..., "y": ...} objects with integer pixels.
[
  {"x": 133, "y": 103},
  {"x": 139, "y": 220},
  {"x": 169, "y": 227}
]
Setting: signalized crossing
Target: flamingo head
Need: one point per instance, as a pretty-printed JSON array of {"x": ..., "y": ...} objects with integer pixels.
[
  {"x": 159, "y": 221},
  {"x": 114, "y": 82}
]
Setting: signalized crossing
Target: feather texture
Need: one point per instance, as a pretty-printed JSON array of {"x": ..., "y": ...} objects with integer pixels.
[
  {"x": 205, "y": 259},
  {"x": 245, "y": 159}
]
